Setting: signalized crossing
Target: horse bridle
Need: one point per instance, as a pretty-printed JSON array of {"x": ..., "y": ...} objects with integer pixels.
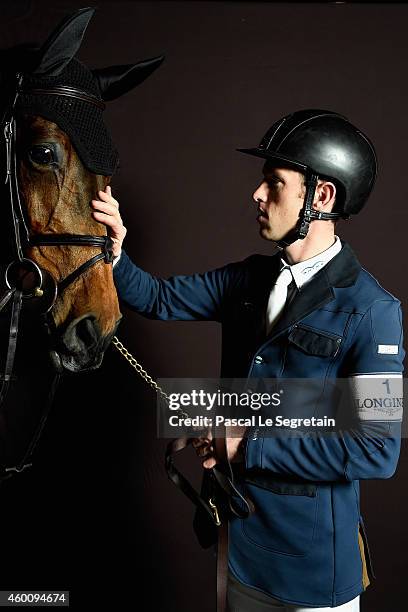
[
  {"x": 104, "y": 242},
  {"x": 25, "y": 281}
]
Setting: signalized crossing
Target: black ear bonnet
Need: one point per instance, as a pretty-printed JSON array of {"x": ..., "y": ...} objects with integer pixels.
[
  {"x": 82, "y": 121},
  {"x": 54, "y": 65}
]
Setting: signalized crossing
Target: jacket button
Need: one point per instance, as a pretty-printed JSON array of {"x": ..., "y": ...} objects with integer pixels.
[{"x": 258, "y": 359}]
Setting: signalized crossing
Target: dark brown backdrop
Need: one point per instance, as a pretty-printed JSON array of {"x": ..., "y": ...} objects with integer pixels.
[{"x": 97, "y": 514}]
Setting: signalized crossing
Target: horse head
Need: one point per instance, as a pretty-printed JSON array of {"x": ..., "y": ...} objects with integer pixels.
[{"x": 58, "y": 155}]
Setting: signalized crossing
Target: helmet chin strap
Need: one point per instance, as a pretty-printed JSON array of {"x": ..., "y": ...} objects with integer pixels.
[{"x": 307, "y": 214}]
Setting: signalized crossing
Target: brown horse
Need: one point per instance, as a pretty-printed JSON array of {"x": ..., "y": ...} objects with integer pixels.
[{"x": 57, "y": 155}]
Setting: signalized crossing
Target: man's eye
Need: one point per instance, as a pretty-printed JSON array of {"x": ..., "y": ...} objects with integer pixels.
[{"x": 42, "y": 155}]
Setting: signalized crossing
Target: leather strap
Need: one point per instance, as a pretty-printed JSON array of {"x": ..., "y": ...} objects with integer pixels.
[
  {"x": 241, "y": 506},
  {"x": 12, "y": 343},
  {"x": 6, "y": 298},
  {"x": 238, "y": 504},
  {"x": 179, "y": 480},
  {"x": 211, "y": 507},
  {"x": 64, "y": 90},
  {"x": 26, "y": 460},
  {"x": 222, "y": 567},
  {"x": 105, "y": 242},
  {"x": 11, "y": 179},
  {"x": 220, "y": 445},
  {"x": 306, "y": 213},
  {"x": 76, "y": 273}
]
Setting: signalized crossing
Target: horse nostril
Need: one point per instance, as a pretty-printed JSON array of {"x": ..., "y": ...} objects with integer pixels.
[
  {"x": 86, "y": 332},
  {"x": 81, "y": 335}
]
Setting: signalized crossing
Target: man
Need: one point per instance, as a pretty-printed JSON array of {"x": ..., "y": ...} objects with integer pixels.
[{"x": 310, "y": 311}]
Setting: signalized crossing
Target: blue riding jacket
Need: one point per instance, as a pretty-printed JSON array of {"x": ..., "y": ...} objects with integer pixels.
[{"x": 305, "y": 543}]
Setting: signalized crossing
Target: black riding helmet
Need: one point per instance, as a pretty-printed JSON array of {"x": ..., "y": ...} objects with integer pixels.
[{"x": 322, "y": 144}]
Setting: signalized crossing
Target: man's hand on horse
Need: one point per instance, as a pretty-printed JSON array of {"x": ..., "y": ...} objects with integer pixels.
[{"x": 106, "y": 211}]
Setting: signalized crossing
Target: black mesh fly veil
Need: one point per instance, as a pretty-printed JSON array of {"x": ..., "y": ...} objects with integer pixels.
[{"x": 80, "y": 120}]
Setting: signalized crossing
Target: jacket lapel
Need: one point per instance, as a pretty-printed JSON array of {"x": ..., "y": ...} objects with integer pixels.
[{"x": 315, "y": 294}]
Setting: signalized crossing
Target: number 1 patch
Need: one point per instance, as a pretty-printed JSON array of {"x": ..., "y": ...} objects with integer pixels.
[{"x": 378, "y": 397}]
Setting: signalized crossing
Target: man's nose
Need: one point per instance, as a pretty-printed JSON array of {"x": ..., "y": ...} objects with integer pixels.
[{"x": 260, "y": 194}]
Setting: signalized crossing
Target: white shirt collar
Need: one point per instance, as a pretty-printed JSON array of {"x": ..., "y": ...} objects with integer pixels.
[{"x": 303, "y": 271}]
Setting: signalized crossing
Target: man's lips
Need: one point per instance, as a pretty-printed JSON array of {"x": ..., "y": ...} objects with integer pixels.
[{"x": 262, "y": 216}]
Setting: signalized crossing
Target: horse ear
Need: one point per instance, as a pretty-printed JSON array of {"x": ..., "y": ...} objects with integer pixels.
[
  {"x": 63, "y": 43},
  {"x": 115, "y": 81}
]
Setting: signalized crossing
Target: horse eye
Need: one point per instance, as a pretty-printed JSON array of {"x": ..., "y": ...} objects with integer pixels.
[{"x": 41, "y": 154}]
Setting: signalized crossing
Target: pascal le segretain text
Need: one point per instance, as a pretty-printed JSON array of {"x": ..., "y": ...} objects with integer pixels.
[{"x": 255, "y": 420}]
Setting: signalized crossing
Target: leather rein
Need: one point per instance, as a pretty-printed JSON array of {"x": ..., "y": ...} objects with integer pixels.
[{"x": 26, "y": 282}]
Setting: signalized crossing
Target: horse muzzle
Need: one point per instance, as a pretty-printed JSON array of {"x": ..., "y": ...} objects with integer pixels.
[{"x": 81, "y": 347}]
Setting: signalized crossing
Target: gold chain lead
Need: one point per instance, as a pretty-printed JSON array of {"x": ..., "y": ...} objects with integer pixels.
[{"x": 137, "y": 366}]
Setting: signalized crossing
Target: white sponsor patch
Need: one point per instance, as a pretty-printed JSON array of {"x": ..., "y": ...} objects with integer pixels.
[
  {"x": 378, "y": 397},
  {"x": 388, "y": 349}
]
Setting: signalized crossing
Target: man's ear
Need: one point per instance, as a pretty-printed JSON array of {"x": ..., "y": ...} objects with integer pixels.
[
  {"x": 63, "y": 43},
  {"x": 114, "y": 81},
  {"x": 325, "y": 196}
]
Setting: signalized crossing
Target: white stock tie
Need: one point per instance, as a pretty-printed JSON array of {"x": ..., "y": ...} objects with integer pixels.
[{"x": 277, "y": 298}]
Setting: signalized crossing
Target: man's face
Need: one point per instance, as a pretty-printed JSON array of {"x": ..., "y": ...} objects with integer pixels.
[{"x": 279, "y": 198}]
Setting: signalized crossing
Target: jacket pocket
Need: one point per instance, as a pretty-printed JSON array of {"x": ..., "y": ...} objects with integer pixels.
[
  {"x": 277, "y": 484},
  {"x": 315, "y": 342},
  {"x": 285, "y": 518}
]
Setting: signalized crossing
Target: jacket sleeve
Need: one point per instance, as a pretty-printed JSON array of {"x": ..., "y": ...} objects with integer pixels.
[
  {"x": 370, "y": 447},
  {"x": 184, "y": 298}
]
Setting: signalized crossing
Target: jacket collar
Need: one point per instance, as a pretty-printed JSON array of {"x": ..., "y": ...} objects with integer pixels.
[
  {"x": 303, "y": 271},
  {"x": 343, "y": 269}
]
